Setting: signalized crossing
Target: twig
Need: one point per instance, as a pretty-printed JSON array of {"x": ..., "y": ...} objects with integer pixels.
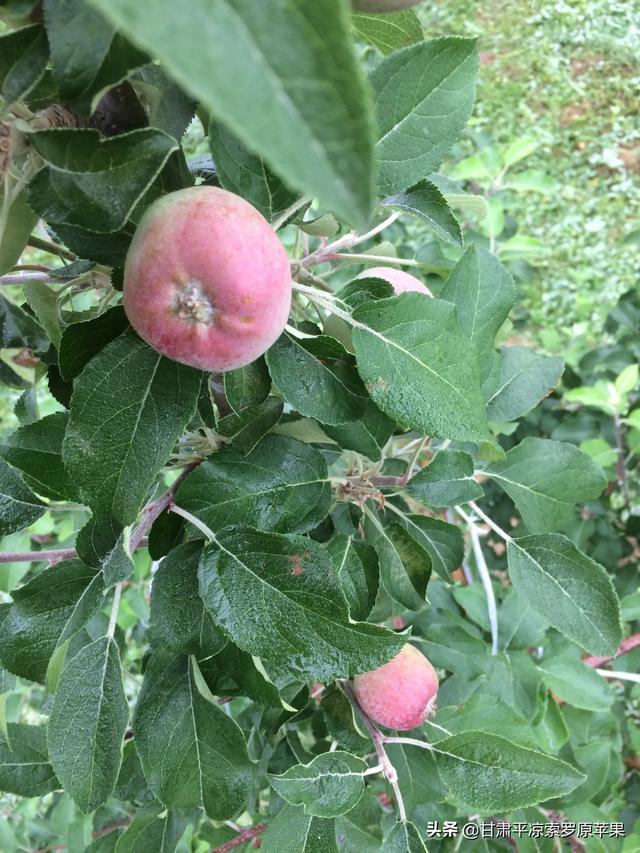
[
  {"x": 390, "y": 772},
  {"x": 25, "y": 277},
  {"x": 288, "y": 213},
  {"x": 35, "y": 556},
  {"x": 626, "y": 646},
  {"x": 618, "y": 676},
  {"x": 481, "y": 514},
  {"x": 153, "y": 510},
  {"x": 485, "y": 577},
  {"x": 348, "y": 241},
  {"x": 384, "y": 259},
  {"x": 192, "y": 519},
  {"x": 51, "y": 247},
  {"x": 138, "y": 537},
  {"x": 97, "y": 834},
  {"x": 414, "y": 459},
  {"x": 242, "y": 838}
]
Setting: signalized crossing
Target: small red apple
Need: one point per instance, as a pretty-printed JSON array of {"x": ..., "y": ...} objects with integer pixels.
[
  {"x": 401, "y": 694},
  {"x": 206, "y": 281},
  {"x": 399, "y": 280}
]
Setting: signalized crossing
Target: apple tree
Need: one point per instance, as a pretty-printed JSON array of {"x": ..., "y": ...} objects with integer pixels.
[{"x": 281, "y": 448}]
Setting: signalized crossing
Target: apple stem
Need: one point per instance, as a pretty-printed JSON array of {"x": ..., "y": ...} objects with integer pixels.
[
  {"x": 348, "y": 241},
  {"x": 390, "y": 772}
]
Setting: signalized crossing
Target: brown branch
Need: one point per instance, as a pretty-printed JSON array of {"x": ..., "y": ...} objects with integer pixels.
[
  {"x": 138, "y": 537},
  {"x": 96, "y": 834},
  {"x": 626, "y": 646},
  {"x": 242, "y": 838},
  {"x": 155, "y": 508},
  {"x": 34, "y": 556},
  {"x": 52, "y": 248}
]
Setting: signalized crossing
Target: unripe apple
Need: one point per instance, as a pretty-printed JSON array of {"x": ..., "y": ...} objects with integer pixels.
[
  {"x": 400, "y": 281},
  {"x": 401, "y": 694},
  {"x": 382, "y": 5},
  {"x": 206, "y": 280}
]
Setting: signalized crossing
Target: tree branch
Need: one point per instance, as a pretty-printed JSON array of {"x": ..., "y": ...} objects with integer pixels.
[
  {"x": 390, "y": 772},
  {"x": 138, "y": 538},
  {"x": 34, "y": 556},
  {"x": 626, "y": 646},
  {"x": 242, "y": 838}
]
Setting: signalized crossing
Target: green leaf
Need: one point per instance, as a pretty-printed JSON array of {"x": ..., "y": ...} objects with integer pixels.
[
  {"x": 232, "y": 672},
  {"x": 129, "y": 406},
  {"x": 405, "y": 565},
  {"x": 315, "y": 379},
  {"x": 519, "y": 379},
  {"x": 519, "y": 150},
  {"x": 49, "y": 609},
  {"x": 294, "y": 831},
  {"x": 193, "y": 755},
  {"x": 368, "y": 435},
  {"x": 339, "y": 718},
  {"x": 117, "y": 564},
  {"x": 87, "y": 54},
  {"x": 551, "y": 728},
  {"x": 389, "y": 32},
  {"x": 446, "y": 481},
  {"x": 442, "y": 541},
  {"x": 424, "y": 96},
  {"x": 19, "y": 330},
  {"x": 19, "y": 507},
  {"x": 90, "y": 179},
  {"x": 322, "y": 141},
  {"x": 43, "y": 301},
  {"x": 595, "y": 759},
  {"x": 81, "y": 341},
  {"x": 418, "y": 367},
  {"x": 627, "y": 380},
  {"x": 490, "y": 774},
  {"x": 571, "y": 591},
  {"x": 483, "y": 292},
  {"x": 152, "y": 830},
  {"x": 404, "y": 838},
  {"x": 488, "y": 714},
  {"x": 36, "y": 450},
  {"x": 281, "y": 485},
  {"x": 97, "y": 540},
  {"x": 178, "y": 617},
  {"x": 87, "y": 724},
  {"x": 425, "y": 201},
  {"x": 357, "y": 567},
  {"x": 456, "y": 649},
  {"x": 246, "y": 429},
  {"x": 23, "y": 59},
  {"x": 279, "y": 598},
  {"x": 546, "y": 479},
  {"x": 19, "y": 224},
  {"x": 331, "y": 785},
  {"x": 25, "y": 769},
  {"x": 577, "y": 683},
  {"x": 168, "y": 107},
  {"x": 247, "y": 386},
  {"x": 246, "y": 174},
  {"x": 105, "y": 843}
]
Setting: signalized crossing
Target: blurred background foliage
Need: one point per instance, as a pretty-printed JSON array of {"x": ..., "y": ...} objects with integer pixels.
[{"x": 550, "y": 164}]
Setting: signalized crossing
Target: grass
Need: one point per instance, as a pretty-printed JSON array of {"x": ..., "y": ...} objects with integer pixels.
[{"x": 566, "y": 74}]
